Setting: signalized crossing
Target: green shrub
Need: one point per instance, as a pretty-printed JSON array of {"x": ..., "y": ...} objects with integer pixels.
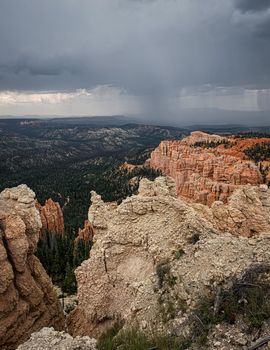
[
  {"x": 107, "y": 340},
  {"x": 181, "y": 304},
  {"x": 248, "y": 297},
  {"x": 179, "y": 253},
  {"x": 212, "y": 144},
  {"x": 259, "y": 152},
  {"x": 162, "y": 270},
  {"x": 165, "y": 276},
  {"x": 167, "y": 307},
  {"x": 172, "y": 280},
  {"x": 245, "y": 135},
  {"x": 133, "y": 338}
]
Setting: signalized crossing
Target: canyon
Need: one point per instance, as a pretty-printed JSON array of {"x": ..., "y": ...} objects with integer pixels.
[
  {"x": 208, "y": 174},
  {"x": 63, "y": 158},
  {"x": 153, "y": 259},
  {"x": 201, "y": 229}
]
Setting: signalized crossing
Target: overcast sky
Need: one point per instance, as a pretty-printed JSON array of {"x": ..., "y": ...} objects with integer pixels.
[{"x": 145, "y": 57}]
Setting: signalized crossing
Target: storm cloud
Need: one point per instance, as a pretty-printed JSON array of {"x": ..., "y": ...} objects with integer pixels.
[
  {"x": 149, "y": 49},
  {"x": 251, "y": 5}
]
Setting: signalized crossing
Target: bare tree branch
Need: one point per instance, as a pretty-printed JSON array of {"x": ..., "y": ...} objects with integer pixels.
[{"x": 259, "y": 343}]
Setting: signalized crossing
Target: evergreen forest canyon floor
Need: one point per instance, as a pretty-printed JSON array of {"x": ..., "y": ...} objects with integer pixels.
[
  {"x": 65, "y": 159},
  {"x": 162, "y": 279}
]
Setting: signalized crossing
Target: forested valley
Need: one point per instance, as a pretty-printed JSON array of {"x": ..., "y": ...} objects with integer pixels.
[{"x": 65, "y": 161}]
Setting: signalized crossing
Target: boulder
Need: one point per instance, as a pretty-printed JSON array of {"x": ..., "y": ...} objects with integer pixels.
[{"x": 49, "y": 339}]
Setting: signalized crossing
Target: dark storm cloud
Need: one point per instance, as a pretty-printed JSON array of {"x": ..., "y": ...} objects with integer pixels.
[
  {"x": 255, "y": 17},
  {"x": 43, "y": 65},
  {"x": 150, "y": 47},
  {"x": 252, "y": 5}
]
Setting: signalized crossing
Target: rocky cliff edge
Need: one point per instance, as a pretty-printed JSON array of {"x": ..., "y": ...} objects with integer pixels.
[
  {"x": 154, "y": 238},
  {"x": 28, "y": 301}
]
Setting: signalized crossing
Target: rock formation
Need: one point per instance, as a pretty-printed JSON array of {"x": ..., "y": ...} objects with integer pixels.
[
  {"x": 247, "y": 212},
  {"x": 51, "y": 217},
  {"x": 130, "y": 167},
  {"x": 86, "y": 233},
  {"x": 155, "y": 237},
  {"x": 28, "y": 301},
  {"x": 50, "y": 339},
  {"x": 205, "y": 175}
]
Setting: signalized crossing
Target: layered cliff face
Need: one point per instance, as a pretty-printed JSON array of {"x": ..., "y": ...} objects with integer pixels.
[
  {"x": 203, "y": 174},
  {"x": 52, "y": 218},
  {"x": 155, "y": 253},
  {"x": 28, "y": 301}
]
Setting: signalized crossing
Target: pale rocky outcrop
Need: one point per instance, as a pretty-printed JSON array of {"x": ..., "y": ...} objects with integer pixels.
[
  {"x": 200, "y": 136},
  {"x": 27, "y": 298},
  {"x": 49, "y": 339},
  {"x": 247, "y": 212},
  {"x": 52, "y": 218},
  {"x": 123, "y": 276},
  {"x": 130, "y": 167},
  {"x": 205, "y": 175}
]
